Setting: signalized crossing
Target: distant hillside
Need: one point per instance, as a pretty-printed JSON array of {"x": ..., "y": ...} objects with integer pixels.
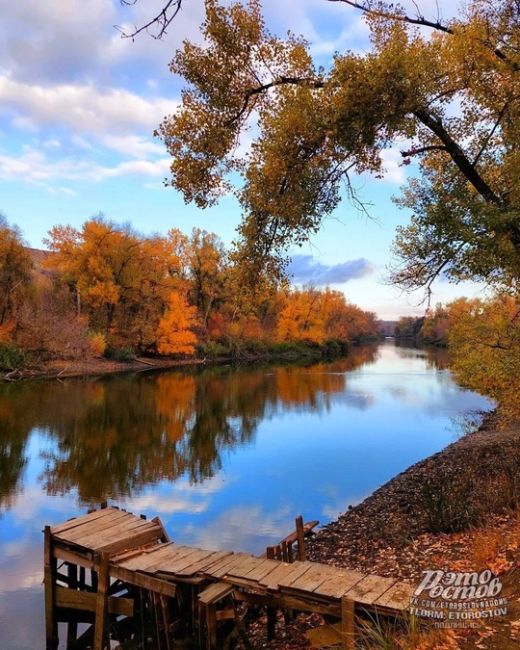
[{"x": 38, "y": 257}]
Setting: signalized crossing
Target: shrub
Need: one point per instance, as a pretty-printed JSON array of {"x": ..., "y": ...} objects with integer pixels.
[
  {"x": 11, "y": 357},
  {"x": 335, "y": 347},
  {"x": 448, "y": 504},
  {"x": 97, "y": 343},
  {"x": 212, "y": 350},
  {"x": 120, "y": 354}
]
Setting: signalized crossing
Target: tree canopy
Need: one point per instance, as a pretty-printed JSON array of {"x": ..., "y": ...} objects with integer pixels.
[{"x": 446, "y": 93}]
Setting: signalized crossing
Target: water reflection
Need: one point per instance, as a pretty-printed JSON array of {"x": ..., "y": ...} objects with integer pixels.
[
  {"x": 113, "y": 436},
  {"x": 225, "y": 456}
]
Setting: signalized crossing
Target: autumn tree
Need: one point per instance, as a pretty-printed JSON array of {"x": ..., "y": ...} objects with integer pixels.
[
  {"x": 314, "y": 316},
  {"x": 175, "y": 330},
  {"x": 447, "y": 90},
  {"x": 120, "y": 280},
  {"x": 436, "y": 326},
  {"x": 484, "y": 338},
  {"x": 301, "y": 318},
  {"x": 207, "y": 259},
  {"x": 15, "y": 277}
]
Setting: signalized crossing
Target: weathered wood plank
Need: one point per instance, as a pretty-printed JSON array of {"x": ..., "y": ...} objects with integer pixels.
[
  {"x": 100, "y": 628},
  {"x": 215, "y": 592},
  {"x": 144, "y": 581},
  {"x": 138, "y": 539},
  {"x": 79, "y": 521},
  {"x": 86, "y": 600},
  {"x": 284, "y": 572},
  {"x": 99, "y": 524},
  {"x": 165, "y": 560},
  {"x": 49, "y": 571},
  {"x": 397, "y": 597},
  {"x": 142, "y": 559},
  {"x": 311, "y": 579},
  {"x": 262, "y": 569},
  {"x": 242, "y": 568},
  {"x": 339, "y": 583},
  {"x": 200, "y": 566},
  {"x": 220, "y": 569},
  {"x": 178, "y": 564},
  {"x": 84, "y": 560},
  {"x": 121, "y": 529},
  {"x": 348, "y": 623},
  {"x": 369, "y": 589}
]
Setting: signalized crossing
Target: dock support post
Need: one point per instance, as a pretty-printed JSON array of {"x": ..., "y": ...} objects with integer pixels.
[
  {"x": 72, "y": 626},
  {"x": 300, "y": 535},
  {"x": 348, "y": 624},
  {"x": 271, "y": 611},
  {"x": 49, "y": 570},
  {"x": 100, "y": 630},
  {"x": 211, "y": 627}
]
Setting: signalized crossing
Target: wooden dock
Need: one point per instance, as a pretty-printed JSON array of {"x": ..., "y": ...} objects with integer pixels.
[{"x": 121, "y": 574}]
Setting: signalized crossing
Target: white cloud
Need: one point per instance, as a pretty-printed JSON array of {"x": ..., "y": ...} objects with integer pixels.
[
  {"x": 33, "y": 166},
  {"x": 82, "y": 107},
  {"x": 133, "y": 145},
  {"x": 392, "y": 166}
]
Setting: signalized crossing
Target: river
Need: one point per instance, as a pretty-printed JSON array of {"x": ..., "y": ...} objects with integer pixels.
[{"x": 226, "y": 456}]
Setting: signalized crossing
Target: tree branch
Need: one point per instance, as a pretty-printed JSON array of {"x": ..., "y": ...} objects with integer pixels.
[
  {"x": 414, "y": 151},
  {"x": 163, "y": 19},
  {"x": 491, "y": 133},
  {"x": 458, "y": 156},
  {"x": 280, "y": 81},
  {"x": 369, "y": 7}
]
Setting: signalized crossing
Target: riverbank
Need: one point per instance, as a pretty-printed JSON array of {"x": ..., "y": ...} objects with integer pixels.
[
  {"x": 61, "y": 368},
  {"x": 458, "y": 510}
]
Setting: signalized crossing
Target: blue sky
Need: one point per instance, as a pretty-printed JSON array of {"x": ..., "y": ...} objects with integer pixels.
[{"x": 78, "y": 106}]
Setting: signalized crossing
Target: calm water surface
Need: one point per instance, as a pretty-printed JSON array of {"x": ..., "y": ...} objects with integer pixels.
[{"x": 225, "y": 456}]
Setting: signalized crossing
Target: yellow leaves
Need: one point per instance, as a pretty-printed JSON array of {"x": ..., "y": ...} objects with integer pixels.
[
  {"x": 15, "y": 274},
  {"x": 97, "y": 343},
  {"x": 174, "y": 333},
  {"x": 313, "y": 316},
  {"x": 485, "y": 342},
  {"x": 6, "y": 331}
]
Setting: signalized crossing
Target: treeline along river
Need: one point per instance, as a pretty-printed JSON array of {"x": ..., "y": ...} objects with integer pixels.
[{"x": 226, "y": 456}]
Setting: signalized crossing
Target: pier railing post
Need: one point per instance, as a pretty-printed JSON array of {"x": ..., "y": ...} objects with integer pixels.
[
  {"x": 300, "y": 536},
  {"x": 49, "y": 572}
]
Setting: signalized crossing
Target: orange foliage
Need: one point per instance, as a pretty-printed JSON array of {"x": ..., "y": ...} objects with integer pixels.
[
  {"x": 314, "y": 316},
  {"x": 174, "y": 333}
]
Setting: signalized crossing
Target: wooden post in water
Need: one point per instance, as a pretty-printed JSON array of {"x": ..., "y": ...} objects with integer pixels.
[
  {"x": 101, "y": 629},
  {"x": 49, "y": 571},
  {"x": 348, "y": 624},
  {"x": 72, "y": 626},
  {"x": 271, "y": 611},
  {"x": 300, "y": 535}
]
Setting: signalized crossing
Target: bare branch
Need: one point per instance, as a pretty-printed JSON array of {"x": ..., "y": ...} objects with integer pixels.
[
  {"x": 414, "y": 151},
  {"x": 491, "y": 133},
  {"x": 162, "y": 20},
  {"x": 369, "y": 7},
  {"x": 280, "y": 81}
]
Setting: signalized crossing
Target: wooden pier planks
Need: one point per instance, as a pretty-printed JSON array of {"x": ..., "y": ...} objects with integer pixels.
[
  {"x": 108, "y": 530},
  {"x": 136, "y": 551}
]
